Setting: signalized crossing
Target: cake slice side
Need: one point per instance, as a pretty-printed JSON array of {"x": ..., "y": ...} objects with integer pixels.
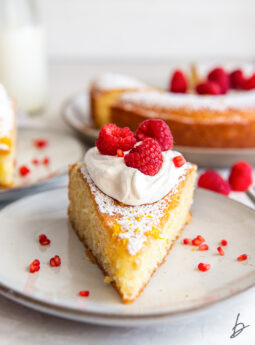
[{"x": 128, "y": 258}]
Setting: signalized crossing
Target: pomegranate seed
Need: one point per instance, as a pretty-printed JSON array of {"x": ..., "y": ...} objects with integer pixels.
[
  {"x": 44, "y": 240},
  {"x": 35, "y": 161},
  {"x": 24, "y": 170},
  {"x": 55, "y": 261},
  {"x": 34, "y": 266},
  {"x": 46, "y": 161},
  {"x": 187, "y": 241},
  {"x": 223, "y": 243},
  {"x": 221, "y": 251},
  {"x": 179, "y": 161},
  {"x": 40, "y": 143},
  {"x": 84, "y": 293},
  {"x": 196, "y": 242},
  {"x": 203, "y": 247},
  {"x": 201, "y": 238},
  {"x": 120, "y": 153},
  {"x": 203, "y": 267},
  {"x": 242, "y": 257}
]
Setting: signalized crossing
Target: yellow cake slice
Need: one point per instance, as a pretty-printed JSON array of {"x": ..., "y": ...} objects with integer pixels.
[
  {"x": 7, "y": 139},
  {"x": 105, "y": 90},
  {"x": 128, "y": 242}
]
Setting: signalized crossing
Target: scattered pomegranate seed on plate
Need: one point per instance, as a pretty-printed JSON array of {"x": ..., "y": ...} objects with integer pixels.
[
  {"x": 84, "y": 293},
  {"x": 41, "y": 143},
  {"x": 221, "y": 251},
  {"x": 242, "y": 257},
  {"x": 44, "y": 240},
  {"x": 55, "y": 261},
  {"x": 224, "y": 243},
  {"x": 24, "y": 170},
  {"x": 34, "y": 266},
  {"x": 187, "y": 241},
  {"x": 46, "y": 161},
  {"x": 203, "y": 267},
  {"x": 203, "y": 247},
  {"x": 35, "y": 161}
]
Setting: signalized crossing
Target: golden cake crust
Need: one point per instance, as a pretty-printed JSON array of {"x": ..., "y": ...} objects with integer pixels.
[{"x": 197, "y": 128}]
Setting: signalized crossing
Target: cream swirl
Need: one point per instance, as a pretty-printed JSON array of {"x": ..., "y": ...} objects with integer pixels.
[{"x": 128, "y": 185}]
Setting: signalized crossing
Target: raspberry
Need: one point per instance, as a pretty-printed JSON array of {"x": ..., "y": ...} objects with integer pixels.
[
  {"x": 146, "y": 157},
  {"x": 158, "y": 130},
  {"x": 242, "y": 257},
  {"x": 219, "y": 76},
  {"x": 111, "y": 138},
  {"x": 178, "y": 82},
  {"x": 44, "y": 240},
  {"x": 46, "y": 161},
  {"x": 249, "y": 83},
  {"x": 55, "y": 261},
  {"x": 208, "y": 88},
  {"x": 212, "y": 180},
  {"x": 236, "y": 79},
  {"x": 34, "y": 266},
  {"x": 240, "y": 177}
]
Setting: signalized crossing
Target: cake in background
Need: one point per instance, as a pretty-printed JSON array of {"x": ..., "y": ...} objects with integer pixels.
[
  {"x": 127, "y": 209},
  {"x": 104, "y": 91},
  {"x": 7, "y": 139},
  {"x": 214, "y": 110}
]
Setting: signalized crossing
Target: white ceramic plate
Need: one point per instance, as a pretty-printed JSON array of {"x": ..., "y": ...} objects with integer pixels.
[
  {"x": 177, "y": 288},
  {"x": 62, "y": 150},
  {"x": 76, "y": 114}
]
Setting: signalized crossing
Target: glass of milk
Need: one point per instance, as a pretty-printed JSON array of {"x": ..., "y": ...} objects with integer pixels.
[{"x": 23, "y": 63}]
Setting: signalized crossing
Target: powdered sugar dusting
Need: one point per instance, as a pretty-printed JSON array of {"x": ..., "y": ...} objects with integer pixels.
[
  {"x": 111, "y": 81},
  {"x": 233, "y": 100},
  {"x": 134, "y": 221}
]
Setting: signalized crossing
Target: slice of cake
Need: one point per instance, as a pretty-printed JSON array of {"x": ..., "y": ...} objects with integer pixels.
[
  {"x": 129, "y": 201},
  {"x": 7, "y": 139},
  {"x": 105, "y": 90}
]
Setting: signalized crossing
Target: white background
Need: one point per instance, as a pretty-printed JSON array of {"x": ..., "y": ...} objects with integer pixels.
[{"x": 149, "y": 29}]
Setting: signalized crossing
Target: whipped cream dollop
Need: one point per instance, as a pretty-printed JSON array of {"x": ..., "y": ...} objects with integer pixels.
[
  {"x": 128, "y": 185},
  {"x": 6, "y": 114}
]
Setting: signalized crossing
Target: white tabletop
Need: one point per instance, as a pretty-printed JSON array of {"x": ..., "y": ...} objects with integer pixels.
[{"x": 19, "y": 325}]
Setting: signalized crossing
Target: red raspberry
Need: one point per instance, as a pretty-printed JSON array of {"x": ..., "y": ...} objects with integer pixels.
[
  {"x": 178, "y": 82},
  {"x": 208, "y": 88},
  {"x": 111, "y": 138},
  {"x": 212, "y": 180},
  {"x": 240, "y": 177},
  {"x": 249, "y": 83},
  {"x": 146, "y": 157},
  {"x": 220, "y": 76},
  {"x": 41, "y": 143},
  {"x": 158, "y": 130},
  {"x": 236, "y": 79}
]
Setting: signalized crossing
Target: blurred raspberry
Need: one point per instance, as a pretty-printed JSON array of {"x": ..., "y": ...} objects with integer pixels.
[
  {"x": 111, "y": 138},
  {"x": 220, "y": 76},
  {"x": 178, "y": 82},
  {"x": 146, "y": 157},
  {"x": 212, "y": 180},
  {"x": 240, "y": 177},
  {"x": 236, "y": 79},
  {"x": 208, "y": 88},
  {"x": 158, "y": 130},
  {"x": 249, "y": 83}
]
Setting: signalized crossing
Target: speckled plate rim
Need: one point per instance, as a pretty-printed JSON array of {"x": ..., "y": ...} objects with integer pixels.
[
  {"x": 136, "y": 320},
  {"x": 48, "y": 179}
]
